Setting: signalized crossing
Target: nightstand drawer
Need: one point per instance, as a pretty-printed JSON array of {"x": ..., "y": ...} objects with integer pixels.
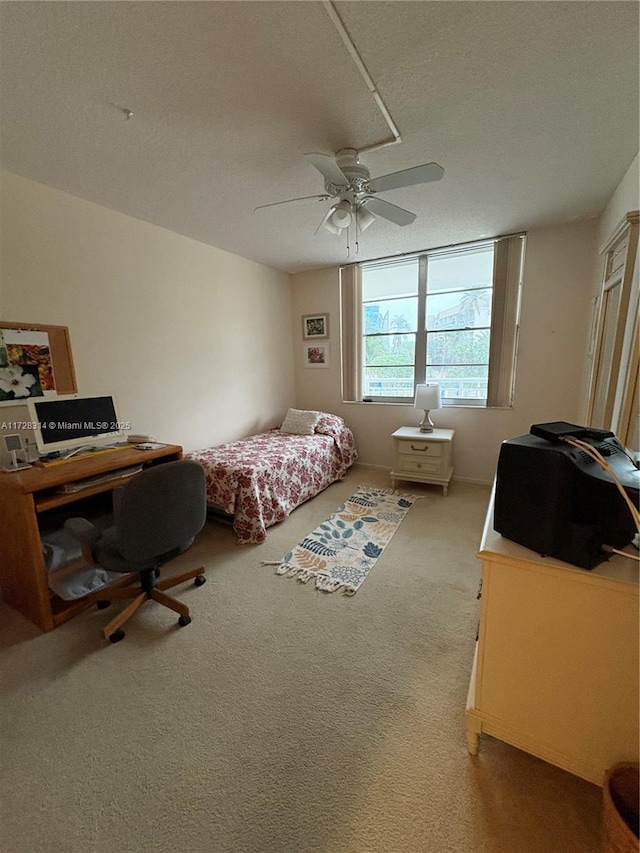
[
  {"x": 423, "y": 457},
  {"x": 418, "y": 465},
  {"x": 421, "y": 449}
]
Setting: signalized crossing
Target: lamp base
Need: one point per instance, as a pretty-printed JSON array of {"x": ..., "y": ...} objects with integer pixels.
[{"x": 427, "y": 424}]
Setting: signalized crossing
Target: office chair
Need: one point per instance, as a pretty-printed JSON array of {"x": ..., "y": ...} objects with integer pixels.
[{"x": 156, "y": 515}]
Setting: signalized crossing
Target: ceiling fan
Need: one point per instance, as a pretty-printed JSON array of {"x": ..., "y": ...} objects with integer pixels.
[{"x": 357, "y": 204}]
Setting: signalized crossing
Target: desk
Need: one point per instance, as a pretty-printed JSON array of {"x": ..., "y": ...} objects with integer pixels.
[
  {"x": 556, "y": 665},
  {"x": 27, "y": 498}
]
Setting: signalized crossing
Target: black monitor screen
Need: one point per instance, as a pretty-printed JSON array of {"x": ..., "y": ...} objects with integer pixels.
[{"x": 82, "y": 417}]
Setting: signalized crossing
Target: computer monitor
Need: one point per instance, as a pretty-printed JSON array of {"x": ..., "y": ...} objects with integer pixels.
[{"x": 67, "y": 423}]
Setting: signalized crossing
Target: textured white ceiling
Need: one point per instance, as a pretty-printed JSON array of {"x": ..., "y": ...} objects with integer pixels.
[{"x": 531, "y": 108}]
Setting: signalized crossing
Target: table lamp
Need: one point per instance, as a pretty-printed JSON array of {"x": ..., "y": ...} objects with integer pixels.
[{"x": 427, "y": 398}]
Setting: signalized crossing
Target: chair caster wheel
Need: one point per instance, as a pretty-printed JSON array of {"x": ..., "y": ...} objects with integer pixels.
[
  {"x": 199, "y": 580},
  {"x": 184, "y": 620},
  {"x": 101, "y": 605},
  {"x": 116, "y": 636}
]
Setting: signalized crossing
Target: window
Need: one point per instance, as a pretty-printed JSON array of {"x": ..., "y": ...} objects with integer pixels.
[{"x": 447, "y": 316}]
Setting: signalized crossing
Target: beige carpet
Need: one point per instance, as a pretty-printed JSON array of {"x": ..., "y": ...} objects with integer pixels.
[{"x": 282, "y": 720}]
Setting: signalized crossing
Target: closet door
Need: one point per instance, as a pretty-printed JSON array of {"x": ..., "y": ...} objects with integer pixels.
[
  {"x": 615, "y": 355},
  {"x": 628, "y": 429}
]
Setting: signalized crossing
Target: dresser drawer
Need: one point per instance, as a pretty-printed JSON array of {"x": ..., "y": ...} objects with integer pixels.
[
  {"x": 420, "y": 449},
  {"x": 414, "y": 464}
]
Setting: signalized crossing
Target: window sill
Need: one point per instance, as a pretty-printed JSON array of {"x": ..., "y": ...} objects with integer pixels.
[{"x": 410, "y": 405}]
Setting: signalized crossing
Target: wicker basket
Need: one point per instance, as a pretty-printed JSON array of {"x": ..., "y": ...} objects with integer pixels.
[{"x": 620, "y": 814}]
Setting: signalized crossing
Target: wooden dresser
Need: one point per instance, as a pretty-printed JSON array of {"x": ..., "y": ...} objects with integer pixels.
[{"x": 555, "y": 671}]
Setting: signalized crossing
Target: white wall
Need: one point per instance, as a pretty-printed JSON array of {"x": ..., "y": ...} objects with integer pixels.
[
  {"x": 553, "y": 346},
  {"x": 194, "y": 342},
  {"x": 625, "y": 198}
]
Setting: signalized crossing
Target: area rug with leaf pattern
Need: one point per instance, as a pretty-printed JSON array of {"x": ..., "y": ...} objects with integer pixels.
[{"x": 340, "y": 552}]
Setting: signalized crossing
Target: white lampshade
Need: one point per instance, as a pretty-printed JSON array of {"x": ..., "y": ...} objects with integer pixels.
[
  {"x": 428, "y": 397},
  {"x": 341, "y": 216},
  {"x": 365, "y": 218},
  {"x": 328, "y": 224}
]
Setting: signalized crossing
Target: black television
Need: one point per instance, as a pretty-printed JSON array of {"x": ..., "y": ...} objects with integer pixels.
[{"x": 556, "y": 500}]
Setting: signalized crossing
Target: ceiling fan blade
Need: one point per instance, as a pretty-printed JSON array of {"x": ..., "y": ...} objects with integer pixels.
[
  {"x": 407, "y": 177},
  {"x": 328, "y": 168},
  {"x": 293, "y": 201},
  {"x": 389, "y": 211}
]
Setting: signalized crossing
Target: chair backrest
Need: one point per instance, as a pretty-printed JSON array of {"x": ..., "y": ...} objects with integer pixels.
[{"x": 160, "y": 509}]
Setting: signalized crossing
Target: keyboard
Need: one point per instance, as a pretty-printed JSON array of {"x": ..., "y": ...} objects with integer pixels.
[{"x": 88, "y": 482}]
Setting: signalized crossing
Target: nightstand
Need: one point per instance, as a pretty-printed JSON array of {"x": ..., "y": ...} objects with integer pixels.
[{"x": 423, "y": 457}]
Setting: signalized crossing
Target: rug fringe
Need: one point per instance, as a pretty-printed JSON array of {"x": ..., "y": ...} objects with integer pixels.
[{"x": 323, "y": 581}]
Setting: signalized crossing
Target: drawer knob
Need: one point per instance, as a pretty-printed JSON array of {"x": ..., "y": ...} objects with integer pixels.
[{"x": 421, "y": 449}]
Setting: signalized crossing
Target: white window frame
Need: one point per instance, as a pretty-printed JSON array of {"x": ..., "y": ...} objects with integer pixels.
[{"x": 505, "y": 309}]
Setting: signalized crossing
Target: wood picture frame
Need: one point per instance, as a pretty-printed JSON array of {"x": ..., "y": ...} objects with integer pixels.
[
  {"x": 316, "y": 355},
  {"x": 315, "y": 326}
]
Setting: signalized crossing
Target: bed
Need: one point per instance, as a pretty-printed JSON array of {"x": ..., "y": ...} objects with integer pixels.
[{"x": 261, "y": 479}]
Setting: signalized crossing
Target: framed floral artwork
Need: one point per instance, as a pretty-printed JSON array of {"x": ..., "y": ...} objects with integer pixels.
[
  {"x": 316, "y": 355},
  {"x": 315, "y": 326}
]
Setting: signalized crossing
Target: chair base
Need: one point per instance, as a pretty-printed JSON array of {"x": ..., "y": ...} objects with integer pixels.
[{"x": 113, "y": 630}]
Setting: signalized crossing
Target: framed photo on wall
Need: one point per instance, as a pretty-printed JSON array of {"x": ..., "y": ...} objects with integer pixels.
[
  {"x": 315, "y": 326},
  {"x": 316, "y": 355}
]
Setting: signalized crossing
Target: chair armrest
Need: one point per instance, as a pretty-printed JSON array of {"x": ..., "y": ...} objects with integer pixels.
[{"x": 87, "y": 534}]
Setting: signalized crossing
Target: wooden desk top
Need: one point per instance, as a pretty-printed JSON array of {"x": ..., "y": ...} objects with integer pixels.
[{"x": 40, "y": 478}]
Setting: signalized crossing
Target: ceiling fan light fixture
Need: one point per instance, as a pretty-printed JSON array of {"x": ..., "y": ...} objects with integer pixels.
[
  {"x": 365, "y": 218},
  {"x": 330, "y": 227},
  {"x": 341, "y": 216}
]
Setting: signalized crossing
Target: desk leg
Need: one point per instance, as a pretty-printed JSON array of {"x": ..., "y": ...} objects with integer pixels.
[{"x": 23, "y": 577}]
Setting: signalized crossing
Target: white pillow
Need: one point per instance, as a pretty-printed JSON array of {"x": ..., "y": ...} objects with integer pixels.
[{"x": 300, "y": 422}]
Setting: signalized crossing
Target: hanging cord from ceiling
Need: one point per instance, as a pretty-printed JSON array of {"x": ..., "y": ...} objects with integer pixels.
[{"x": 331, "y": 11}]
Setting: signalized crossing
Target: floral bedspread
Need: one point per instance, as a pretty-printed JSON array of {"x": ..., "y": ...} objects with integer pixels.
[{"x": 261, "y": 479}]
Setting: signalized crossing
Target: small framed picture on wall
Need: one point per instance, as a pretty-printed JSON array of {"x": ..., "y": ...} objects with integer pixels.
[
  {"x": 316, "y": 355},
  {"x": 315, "y": 326}
]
